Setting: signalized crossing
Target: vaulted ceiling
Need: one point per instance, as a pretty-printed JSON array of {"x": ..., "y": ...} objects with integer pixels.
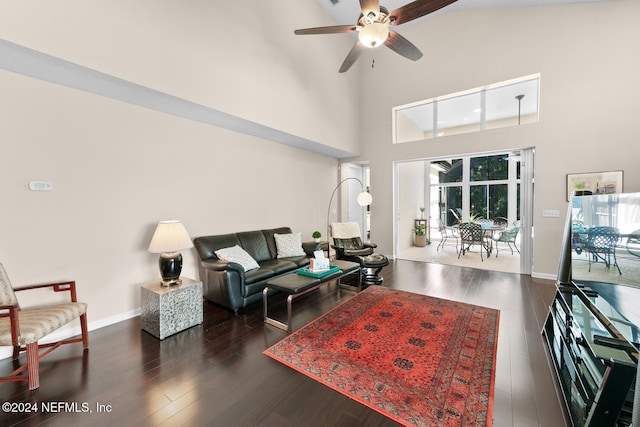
[{"x": 347, "y": 11}]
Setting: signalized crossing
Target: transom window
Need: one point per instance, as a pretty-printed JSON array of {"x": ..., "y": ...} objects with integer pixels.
[{"x": 504, "y": 104}]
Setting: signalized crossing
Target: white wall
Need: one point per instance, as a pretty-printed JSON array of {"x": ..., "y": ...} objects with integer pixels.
[
  {"x": 118, "y": 169},
  {"x": 586, "y": 54},
  {"x": 238, "y": 57},
  {"x": 411, "y": 182}
]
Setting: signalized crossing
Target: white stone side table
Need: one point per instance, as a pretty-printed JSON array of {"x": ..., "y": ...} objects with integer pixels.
[{"x": 167, "y": 310}]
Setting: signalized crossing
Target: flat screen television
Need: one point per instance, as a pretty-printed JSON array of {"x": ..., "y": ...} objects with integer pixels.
[
  {"x": 599, "y": 278},
  {"x": 601, "y": 251}
]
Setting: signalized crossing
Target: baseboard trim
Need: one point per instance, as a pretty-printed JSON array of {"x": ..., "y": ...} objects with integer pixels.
[
  {"x": 6, "y": 352},
  {"x": 544, "y": 276}
]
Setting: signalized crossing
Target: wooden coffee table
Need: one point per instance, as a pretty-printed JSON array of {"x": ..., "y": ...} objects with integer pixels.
[{"x": 297, "y": 285}]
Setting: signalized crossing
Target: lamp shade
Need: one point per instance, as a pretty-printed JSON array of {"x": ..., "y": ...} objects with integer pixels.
[
  {"x": 170, "y": 236},
  {"x": 364, "y": 199}
]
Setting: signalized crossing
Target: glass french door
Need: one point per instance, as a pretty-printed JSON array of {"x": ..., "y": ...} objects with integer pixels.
[{"x": 467, "y": 186}]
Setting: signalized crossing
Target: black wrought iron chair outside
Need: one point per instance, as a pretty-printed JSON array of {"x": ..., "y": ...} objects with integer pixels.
[
  {"x": 471, "y": 233},
  {"x": 601, "y": 245},
  {"x": 22, "y": 328},
  {"x": 500, "y": 221},
  {"x": 509, "y": 237},
  {"x": 447, "y": 233}
]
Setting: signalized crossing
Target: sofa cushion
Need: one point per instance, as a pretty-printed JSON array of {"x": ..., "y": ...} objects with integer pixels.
[
  {"x": 256, "y": 280},
  {"x": 299, "y": 261},
  {"x": 279, "y": 266},
  {"x": 255, "y": 244},
  {"x": 238, "y": 255},
  {"x": 289, "y": 245}
]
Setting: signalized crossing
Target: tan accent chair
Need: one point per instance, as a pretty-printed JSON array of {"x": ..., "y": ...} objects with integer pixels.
[{"x": 23, "y": 328}]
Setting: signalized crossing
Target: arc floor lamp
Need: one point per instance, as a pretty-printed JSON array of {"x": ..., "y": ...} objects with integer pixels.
[{"x": 363, "y": 199}]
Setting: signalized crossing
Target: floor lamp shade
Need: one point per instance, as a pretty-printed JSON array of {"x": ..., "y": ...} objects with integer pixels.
[
  {"x": 169, "y": 238},
  {"x": 364, "y": 199}
]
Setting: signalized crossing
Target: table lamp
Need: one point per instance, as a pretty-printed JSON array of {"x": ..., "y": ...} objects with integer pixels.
[{"x": 169, "y": 238}]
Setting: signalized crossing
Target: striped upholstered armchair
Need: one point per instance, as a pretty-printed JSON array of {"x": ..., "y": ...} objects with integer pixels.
[{"x": 23, "y": 328}]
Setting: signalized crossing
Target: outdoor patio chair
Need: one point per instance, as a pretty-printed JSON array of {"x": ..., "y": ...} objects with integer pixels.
[
  {"x": 500, "y": 221},
  {"x": 601, "y": 245},
  {"x": 457, "y": 215},
  {"x": 447, "y": 233},
  {"x": 471, "y": 233},
  {"x": 509, "y": 237}
]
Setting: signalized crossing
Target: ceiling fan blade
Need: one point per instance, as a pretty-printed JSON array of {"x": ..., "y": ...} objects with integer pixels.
[
  {"x": 417, "y": 9},
  {"x": 353, "y": 54},
  {"x": 402, "y": 46},
  {"x": 335, "y": 29},
  {"x": 370, "y": 6}
]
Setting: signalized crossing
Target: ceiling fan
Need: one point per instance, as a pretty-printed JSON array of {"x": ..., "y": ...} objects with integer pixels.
[{"x": 373, "y": 28}]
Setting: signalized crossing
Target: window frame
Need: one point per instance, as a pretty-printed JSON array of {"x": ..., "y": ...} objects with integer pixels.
[{"x": 472, "y": 124}]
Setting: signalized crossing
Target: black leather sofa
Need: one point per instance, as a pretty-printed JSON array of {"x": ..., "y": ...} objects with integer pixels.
[{"x": 227, "y": 283}]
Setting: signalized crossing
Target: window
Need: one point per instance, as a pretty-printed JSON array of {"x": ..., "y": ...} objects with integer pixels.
[
  {"x": 488, "y": 180},
  {"x": 503, "y": 104},
  {"x": 460, "y": 114},
  {"x": 446, "y": 194}
]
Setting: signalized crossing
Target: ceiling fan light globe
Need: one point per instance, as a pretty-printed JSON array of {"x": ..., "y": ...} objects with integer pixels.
[{"x": 373, "y": 35}]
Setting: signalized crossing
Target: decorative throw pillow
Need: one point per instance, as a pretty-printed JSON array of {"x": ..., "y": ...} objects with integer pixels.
[
  {"x": 289, "y": 245},
  {"x": 239, "y": 255}
]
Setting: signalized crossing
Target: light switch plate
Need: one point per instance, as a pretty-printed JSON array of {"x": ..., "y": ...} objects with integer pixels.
[
  {"x": 551, "y": 213},
  {"x": 40, "y": 186}
]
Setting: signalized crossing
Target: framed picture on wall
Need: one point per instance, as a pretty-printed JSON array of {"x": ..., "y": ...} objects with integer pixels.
[{"x": 594, "y": 183}]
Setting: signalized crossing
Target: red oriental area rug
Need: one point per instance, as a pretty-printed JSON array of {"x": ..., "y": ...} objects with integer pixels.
[{"x": 416, "y": 359}]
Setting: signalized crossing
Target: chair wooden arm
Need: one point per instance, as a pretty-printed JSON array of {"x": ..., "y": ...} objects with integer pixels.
[
  {"x": 7, "y": 307},
  {"x": 12, "y": 314},
  {"x": 68, "y": 286}
]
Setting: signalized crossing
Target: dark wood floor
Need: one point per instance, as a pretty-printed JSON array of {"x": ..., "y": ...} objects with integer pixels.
[{"x": 214, "y": 374}]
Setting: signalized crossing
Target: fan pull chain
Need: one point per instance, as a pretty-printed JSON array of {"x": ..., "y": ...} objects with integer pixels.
[{"x": 373, "y": 62}]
